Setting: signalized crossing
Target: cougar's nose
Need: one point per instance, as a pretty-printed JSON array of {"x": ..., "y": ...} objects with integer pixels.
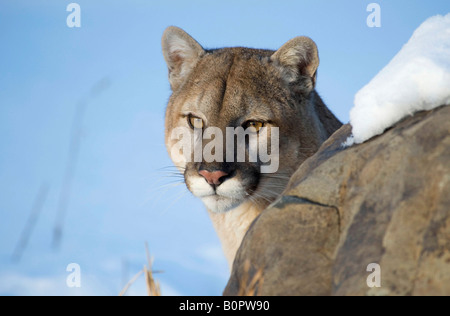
[{"x": 214, "y": 177}]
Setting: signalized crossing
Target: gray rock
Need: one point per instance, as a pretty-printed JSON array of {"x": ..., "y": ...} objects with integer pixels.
[{"x": 386, "y": 201}]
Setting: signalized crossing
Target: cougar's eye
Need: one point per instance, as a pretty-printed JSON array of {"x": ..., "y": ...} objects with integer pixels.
[
  {"x": 195, "y": 122},
  {"x": 255, "y": 124}
]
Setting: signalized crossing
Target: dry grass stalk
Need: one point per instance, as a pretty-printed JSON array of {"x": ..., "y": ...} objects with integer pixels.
[
  {"x": 247, "y": 288},
  {"x": 153, "y": 288},
  {"x": 130, "y": 283}
]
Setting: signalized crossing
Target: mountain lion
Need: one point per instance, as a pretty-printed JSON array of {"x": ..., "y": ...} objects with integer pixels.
[{"x": 249, "y": 88}]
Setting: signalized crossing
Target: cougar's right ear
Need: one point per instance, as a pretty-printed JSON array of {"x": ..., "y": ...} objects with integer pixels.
[
  {"x": 181, "y": 53},
  {"x": 298, "y": 59}
]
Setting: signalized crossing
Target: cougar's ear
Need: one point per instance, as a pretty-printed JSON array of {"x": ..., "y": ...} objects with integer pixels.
[
  {"x": 181, "y": 53},
  {"x": 298, "y": 60}
]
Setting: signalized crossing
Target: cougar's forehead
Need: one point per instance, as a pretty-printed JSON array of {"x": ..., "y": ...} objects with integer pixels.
[{"x": 231, "y": 85}]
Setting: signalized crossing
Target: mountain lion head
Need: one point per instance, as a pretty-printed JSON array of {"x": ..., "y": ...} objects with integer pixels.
[{"x": 253, "y": 89}]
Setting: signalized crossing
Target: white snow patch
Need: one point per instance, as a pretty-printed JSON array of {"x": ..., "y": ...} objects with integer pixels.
[
  {"x": 417, "y": 78},
  {"x": 348, "y": 142}
]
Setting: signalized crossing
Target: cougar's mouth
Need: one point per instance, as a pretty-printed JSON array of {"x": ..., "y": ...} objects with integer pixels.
[{"x": 218, "y": 198}]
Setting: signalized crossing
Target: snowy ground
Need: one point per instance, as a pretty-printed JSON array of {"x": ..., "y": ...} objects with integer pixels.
[{"x": 418, "y": 78}]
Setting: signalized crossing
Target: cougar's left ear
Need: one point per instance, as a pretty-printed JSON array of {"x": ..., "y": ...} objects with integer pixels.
[
  {"x": 298, "y": 59},
  {"x": 181, "y": 53}
]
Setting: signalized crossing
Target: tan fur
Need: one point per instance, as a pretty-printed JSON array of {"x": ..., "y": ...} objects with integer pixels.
[
  {"x": 232, "y": 226},
  {"x": 229, "y": 86}
]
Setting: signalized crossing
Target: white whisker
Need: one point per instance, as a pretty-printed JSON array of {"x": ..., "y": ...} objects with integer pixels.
[{"x": 179, "y": 196}]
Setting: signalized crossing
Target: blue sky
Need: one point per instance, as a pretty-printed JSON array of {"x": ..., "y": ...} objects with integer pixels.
[{"x": 117, "y": 199}]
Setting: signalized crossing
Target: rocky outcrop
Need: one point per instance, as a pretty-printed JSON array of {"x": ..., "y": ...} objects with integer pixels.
[{"x": 386, "y": 201}]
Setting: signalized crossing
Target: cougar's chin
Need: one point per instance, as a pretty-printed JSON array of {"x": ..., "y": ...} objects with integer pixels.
[
  {"x": 220, "y": 199},
  {"x": 219, "y": 204}
]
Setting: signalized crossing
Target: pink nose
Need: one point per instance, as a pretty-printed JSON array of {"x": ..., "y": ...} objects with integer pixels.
[{"x": 214, "y": 177}]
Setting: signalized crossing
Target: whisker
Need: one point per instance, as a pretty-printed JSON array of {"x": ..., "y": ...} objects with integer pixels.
[
  {"x": 173, "y": 202},
  {"x": 171, "y": 167},
  {"x": 170, "y": 185},
  {"x": 274, "y": 181},
  {"x": 177, "y": 172},
  {"x": 156, "y": 197},
  {"x": 254, "y": 200},
  {"x": 162, "y": 185},
  {"x": 173, "y": 176},
  {"x": 276, "y": 176},
  {"x": 260, "y": 195}
]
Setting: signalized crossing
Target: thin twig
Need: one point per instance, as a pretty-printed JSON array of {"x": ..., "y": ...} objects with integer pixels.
[
  {"x": 130, "y": 283},
  {"x": 74, "y": 149},
  {"x": 31, "y": 222}
]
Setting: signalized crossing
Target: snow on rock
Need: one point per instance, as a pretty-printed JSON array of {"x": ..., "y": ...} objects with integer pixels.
[{"x": 417, "y": 78}]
